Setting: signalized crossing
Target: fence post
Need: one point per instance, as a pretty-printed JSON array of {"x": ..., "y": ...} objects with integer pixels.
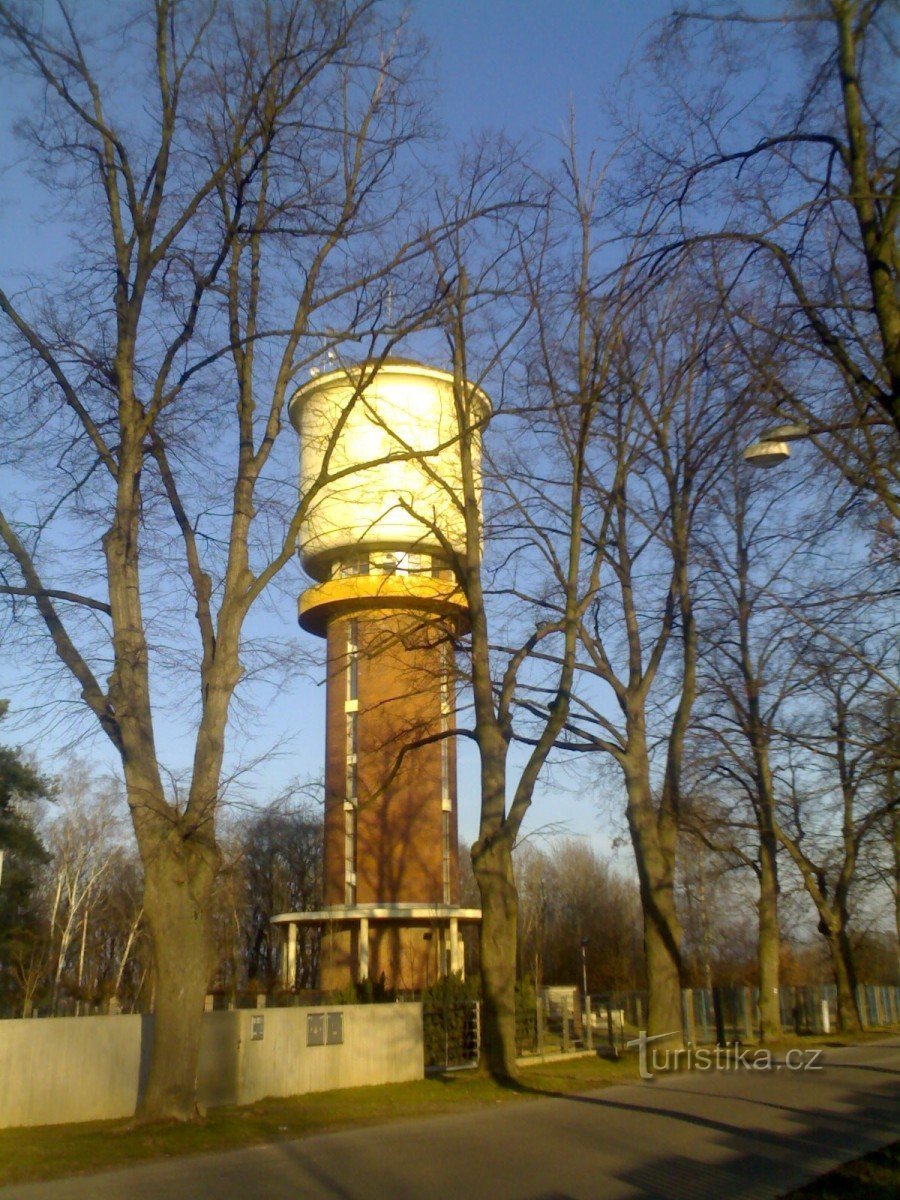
[
  {"x": 687, "y": 1015},
  {"x": 706, "y": 1004},
  {"x": 747, "y": 1001},
  {"x": 539, "y": 1024},
  {"x": 718, "y": 1016},
  {"x": 565, "y": 1024},
  {"x": 796, "y": 1011},
  {"x": 609, "y": 1026}
]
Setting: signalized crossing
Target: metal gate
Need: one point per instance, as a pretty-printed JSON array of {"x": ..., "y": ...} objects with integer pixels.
[{"x": 452, "y": 1034}]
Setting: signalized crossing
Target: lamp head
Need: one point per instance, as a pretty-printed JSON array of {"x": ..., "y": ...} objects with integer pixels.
[
  {"x": 792, "y": 432},
  {"x": 766, "y": 454}
]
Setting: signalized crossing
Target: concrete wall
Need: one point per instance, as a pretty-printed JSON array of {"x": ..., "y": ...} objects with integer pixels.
[
  {"x": 65, "y": 1069},
  {"x": 71, "y": 1068},
  {"x": 382, "y": 1044}
]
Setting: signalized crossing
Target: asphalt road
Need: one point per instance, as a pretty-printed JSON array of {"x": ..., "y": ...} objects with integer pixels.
[{"x": 719, "y": 1134}]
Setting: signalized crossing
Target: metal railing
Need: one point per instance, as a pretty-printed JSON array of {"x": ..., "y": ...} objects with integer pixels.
[{"x": 561, "y": 1022}]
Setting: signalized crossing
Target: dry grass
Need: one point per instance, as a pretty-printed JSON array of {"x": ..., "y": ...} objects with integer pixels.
[{"x": 875, "y": 1177}]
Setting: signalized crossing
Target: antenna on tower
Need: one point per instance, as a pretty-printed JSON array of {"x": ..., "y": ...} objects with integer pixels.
[{"x": 327, "y": 354}]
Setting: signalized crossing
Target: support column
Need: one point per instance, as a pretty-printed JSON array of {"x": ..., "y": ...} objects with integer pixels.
[
  {"x": 454, "y": 945},
  {"x": 441, "y": 953},
  {"x": 363, "y": 948},
  {"x": 289, "y": 962}
]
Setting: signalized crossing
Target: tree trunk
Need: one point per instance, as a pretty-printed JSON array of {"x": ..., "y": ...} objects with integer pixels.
[
  {"x": 895, "y": 846},
  {"x": 662, "y": 936},
  {"x": 493, "y": 869},
  {"x": 654, "y": 851},
  {"x": 849, "y": 1019},
  {"x": 178, "y": 881},
  {"x": 81, "y": 954},
  {"x": 769, "y": 940},
  {"x": 123, "y": 962}
]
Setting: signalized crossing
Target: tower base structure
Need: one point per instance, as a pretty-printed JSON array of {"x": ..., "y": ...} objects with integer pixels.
[{"x": 407, "y": 946}]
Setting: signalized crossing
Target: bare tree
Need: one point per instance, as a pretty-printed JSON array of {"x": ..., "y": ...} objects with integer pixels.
[
  {"x": 84, "y": 836},
  {"x": 273, "y": 864},
  {"x": 232, "y": 224},
  {"x": 571, "y": 896},
  {"x": 750, "y": 671},
  {"x": 489, "y": 288},
  {"x": 783, "y": 584},
  {"x": 720, "y": 935},
  {"x": 835, "y": 776},
  {"x": 655, "y": 453},
  {"x": 126, "y": 954},
  {"x": 783, "y": 161}
]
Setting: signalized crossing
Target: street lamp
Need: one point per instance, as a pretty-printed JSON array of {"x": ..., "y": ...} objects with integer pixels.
[{"x": 772, "y": 447}]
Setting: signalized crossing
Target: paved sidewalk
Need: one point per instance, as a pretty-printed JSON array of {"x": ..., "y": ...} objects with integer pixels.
[{"x": 705, "y": 1136}]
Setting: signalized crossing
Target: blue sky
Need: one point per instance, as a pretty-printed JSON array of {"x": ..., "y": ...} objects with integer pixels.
[
  {"x": 517, "y": 65},
  {"x": 497, "y": 64}
]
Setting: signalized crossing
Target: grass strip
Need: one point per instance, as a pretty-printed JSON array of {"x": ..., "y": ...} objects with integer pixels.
[
  {"x": 52, "y": 1151},
  {"x": 874, "y": 1177}
]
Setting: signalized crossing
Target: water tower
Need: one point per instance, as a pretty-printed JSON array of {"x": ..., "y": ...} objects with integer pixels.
[{"x": 379, "y": 457}]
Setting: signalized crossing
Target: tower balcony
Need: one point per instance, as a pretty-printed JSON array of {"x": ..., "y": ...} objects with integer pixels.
[{"x": 423, "y": 593}]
